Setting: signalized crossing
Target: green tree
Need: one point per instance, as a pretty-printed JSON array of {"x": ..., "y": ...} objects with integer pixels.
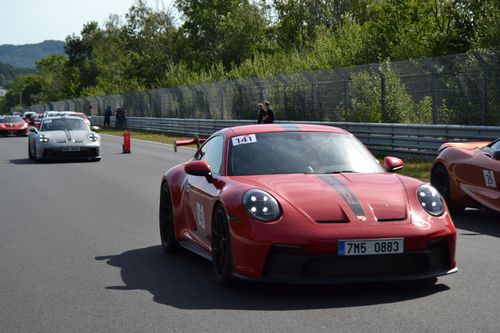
[
  {"x": 3, "y": 105},
  {"x": 227, "y": 31},
  {"x": 81, "y": 71},
  {"x": 149, "y": 40},
  {"x": 365, "y": 99},
  {"x": 51, "y": 70},
  {"x": 487, "y": 30}
]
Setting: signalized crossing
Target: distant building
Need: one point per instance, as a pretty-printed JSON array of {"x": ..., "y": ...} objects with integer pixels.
[{"x": 3, "y": 92}]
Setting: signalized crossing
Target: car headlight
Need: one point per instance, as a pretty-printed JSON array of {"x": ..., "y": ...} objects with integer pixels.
[
  {"x": 261, "y": 205},
  {"x": 430, "y": 199},
  {"x": 93, "y": 137},
  {"x": 44, "y": 138}
]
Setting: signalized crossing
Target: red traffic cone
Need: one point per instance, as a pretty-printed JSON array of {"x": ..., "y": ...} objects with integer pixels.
[{"x": 126, "y": 142}]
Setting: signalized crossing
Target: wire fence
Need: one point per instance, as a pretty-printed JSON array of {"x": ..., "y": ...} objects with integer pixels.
[{"x": 457, "y": 89}]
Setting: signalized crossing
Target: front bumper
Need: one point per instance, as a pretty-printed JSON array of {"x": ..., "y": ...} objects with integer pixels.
[
  {"x": 285, "y": 264},
  {"x": 83, "y": 152},
  {"x": 309, "y": 255}
]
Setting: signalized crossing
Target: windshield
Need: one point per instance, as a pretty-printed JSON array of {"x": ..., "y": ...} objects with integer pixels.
[
  {"x": 70, "y": 124},
  {"x": 11, "y": 120},
  {"x": 299, "y": 152}
]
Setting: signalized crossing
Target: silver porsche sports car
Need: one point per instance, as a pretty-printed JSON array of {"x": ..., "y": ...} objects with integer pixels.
[{"x": 63, "y": 137}]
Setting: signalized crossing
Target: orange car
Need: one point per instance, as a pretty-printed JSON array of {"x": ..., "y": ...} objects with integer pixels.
[{"x": 468, "y": 174}]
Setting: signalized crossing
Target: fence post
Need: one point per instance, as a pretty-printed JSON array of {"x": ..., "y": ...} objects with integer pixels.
[
  {"x": 150, "y": 103},
  {"x": 313, "y": 94},
  {"x": 221, "y": 87},
  {"x": 382, "y": 92},
  {"x": 261, "y": 88},
  {"x": 285, "y": 95},
  {"x": 346, "y": 87},
  {"x": 485, "y": 86},
  {"x": 433, "y": 88},
  {"x": 240, "y": 90}
]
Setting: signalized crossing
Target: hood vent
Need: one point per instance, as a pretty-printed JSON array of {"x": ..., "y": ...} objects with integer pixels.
[{"x": 333, "y": 221}]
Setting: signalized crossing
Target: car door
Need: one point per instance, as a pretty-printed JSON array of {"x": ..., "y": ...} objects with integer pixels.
[
  {"x": 202, "y": 194},
  {"x": 480, "y": 177}
]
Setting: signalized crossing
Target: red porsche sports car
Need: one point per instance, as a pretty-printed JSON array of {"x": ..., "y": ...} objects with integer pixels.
[
  {"x": 468, "y": 174},
  {"x": 303, "y": 204},
  {"x": 13, "y": 125}
]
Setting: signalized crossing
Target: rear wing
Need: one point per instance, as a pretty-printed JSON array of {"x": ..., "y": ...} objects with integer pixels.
[{"x": 186, "y": 142}]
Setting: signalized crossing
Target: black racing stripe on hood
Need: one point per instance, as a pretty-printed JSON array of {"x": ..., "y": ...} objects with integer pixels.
[
  {"x": 68, "y": 134},
  {"x": 288, "y": 127},
  {"x": 343, "y": 190}
]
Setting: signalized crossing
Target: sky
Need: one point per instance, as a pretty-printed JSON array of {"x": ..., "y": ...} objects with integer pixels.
[{"x": 33, "y": 21}]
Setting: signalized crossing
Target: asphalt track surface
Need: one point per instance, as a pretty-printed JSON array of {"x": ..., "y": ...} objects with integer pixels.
[{"x": 79, "y": 252}]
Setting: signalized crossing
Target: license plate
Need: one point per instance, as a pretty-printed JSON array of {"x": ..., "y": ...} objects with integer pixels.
[
  {"x": 365, "y": 247},
  {"x": 71, "y": 149}
]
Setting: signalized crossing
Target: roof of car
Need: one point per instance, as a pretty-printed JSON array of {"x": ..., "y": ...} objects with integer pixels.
[
  {"x": 280, "y": 127},
  {"x": 62, "y": 117}
]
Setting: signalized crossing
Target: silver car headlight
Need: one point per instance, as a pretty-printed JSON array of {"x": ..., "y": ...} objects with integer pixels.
[
  {"x": 44, "y": 138},
  {"x": 93, "y": 137},
  {"x": 430, "y": 199},
  {"x": 261, "y": 205}
]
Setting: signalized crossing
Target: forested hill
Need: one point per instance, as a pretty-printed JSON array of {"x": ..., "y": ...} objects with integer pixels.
[
  {"x": 26, "y": 55},
  {"x": 8, "y": 73}
]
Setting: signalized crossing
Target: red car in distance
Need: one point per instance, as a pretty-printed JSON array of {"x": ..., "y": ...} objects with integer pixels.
[
  {"x": 13, "y": 125},
  {"x": 303, "y": 204}
]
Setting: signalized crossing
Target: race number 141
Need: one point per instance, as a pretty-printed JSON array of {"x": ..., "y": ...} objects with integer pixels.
[{"x": 243, "y": 139}]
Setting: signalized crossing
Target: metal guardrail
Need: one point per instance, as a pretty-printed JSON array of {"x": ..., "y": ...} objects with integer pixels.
[{"x": 398, "y": 139}]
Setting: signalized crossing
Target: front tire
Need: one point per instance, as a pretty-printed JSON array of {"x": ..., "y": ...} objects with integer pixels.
[
  {"x": 221, "y": 248},
  {"x": 35, "y": 155},
  {"x": 30, "y": 154},
  {"x": 441, "y": 181},
  {"x": 167, "y": 230}
]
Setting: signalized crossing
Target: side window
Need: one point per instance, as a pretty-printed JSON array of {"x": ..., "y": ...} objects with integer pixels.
[
  {"x": 212, "y": 152},
  {"x": 496, "y": 146}
]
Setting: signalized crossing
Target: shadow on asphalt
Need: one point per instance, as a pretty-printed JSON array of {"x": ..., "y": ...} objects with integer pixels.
[
  {"x": 474, "y": 222},
  {"x": 21, "y": 161},
  {"x": 185, "y": 281},
  {"x": 24, "y": 161}
]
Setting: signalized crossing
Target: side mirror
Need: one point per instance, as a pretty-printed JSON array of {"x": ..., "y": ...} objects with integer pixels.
[
  {"x": 392, "y": 164},
  {"x": 496, "y": 155},
  {"x": 95, "y": 128},
  {"x": 199, "y": 168},
  {"x": 32, "y": 129}
]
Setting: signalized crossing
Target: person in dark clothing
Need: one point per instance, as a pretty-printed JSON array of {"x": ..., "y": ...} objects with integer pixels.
[
  {"x": 269, "y": 118},
  {"x": 107, "y": 116},
  {"x": 120, "y": 118},
  {"x": 262, "y": 113}
]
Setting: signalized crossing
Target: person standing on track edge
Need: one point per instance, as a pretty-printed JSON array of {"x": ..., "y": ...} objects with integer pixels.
[
  {"x": 120, "y": 118},
  {"x": 262, "y": 113},
  {"x": 269, "y": 117},
  {"x": 107, "y": 116}
]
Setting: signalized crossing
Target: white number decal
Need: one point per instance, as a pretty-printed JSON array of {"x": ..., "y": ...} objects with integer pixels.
[
  {"x": 243, "y": 139},
  {"x": 200, "y": 215},
  {"x": 489, "y": 178}
]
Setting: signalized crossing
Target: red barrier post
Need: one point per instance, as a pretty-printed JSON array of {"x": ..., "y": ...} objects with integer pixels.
[{"x": 126, "y": 142}]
